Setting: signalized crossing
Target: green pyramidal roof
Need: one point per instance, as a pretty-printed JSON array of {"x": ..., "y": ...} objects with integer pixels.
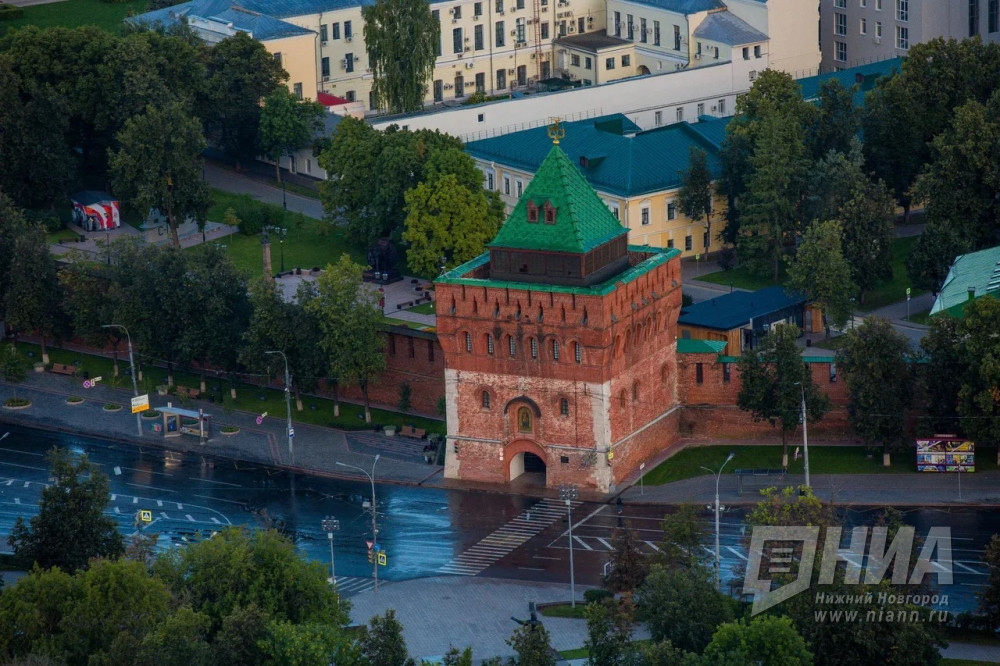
[{"x": 582, "y": 221}]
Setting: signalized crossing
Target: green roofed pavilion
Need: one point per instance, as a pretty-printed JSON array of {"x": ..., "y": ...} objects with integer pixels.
[{"x": 559, "y": 211}]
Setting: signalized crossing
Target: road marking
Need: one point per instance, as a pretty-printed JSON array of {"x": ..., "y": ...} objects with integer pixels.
[
  {"x": 180, "y": 507},
  {"x": 113, "y": 497},
  {"x": 653, "y": 546},
  {"x": 164, "y": 514},
  {"x": 736, "y": 553},
  {"x": 216, "y": 520},
  {"x": 531, "y": 568},
  {"x": 221, "y": 483},
  {"x": 17, "y": 500},
  {"x": 135, "y": 500},
  {"x": 968, "y": 568},
  {"x": 10, "y": 482},
  {"x": 117, "y": 510},
  {"x": 188, "y": 516},
  {"x": 159, "y": 502},
  {"x": 506, "y": 539},
  {"x": 582, "y": 543},
  {"x": 606, "y": 544},
  {"x": 27, "y": 483},
  {"x": 543, "y": 557}
]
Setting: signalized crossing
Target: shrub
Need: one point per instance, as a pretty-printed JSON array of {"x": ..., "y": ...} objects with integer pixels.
[
  {"x": 686, "y": 300},
  {"x": 253, "y": 215},
  {"x": 727, "y": 258},
  {"x": 49, "y": 219},
  {"x": 596, "y": 596}
]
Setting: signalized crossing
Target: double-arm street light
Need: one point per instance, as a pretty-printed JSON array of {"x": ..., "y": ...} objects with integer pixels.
[
  {"x": 135, "y": 371},
  {"x": 331, "y": 525},
  {"x": 371, "y": 477},
  {"x": 718, "y": 475},
  {"x": 568, "y": 493},
  {"x": 288, "y": 406}
]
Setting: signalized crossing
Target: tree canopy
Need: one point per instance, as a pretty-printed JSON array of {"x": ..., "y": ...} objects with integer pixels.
[
  {"x": 286, "y": 125},
  {"x": 402, "y": 38},
  {"x": 820, "y": 270}
]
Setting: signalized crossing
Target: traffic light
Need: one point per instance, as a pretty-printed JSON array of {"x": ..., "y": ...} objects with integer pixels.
[{"x": 371, "y": 556}]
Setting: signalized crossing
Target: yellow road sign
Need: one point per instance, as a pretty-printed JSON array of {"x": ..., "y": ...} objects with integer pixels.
[
  {"x": 382, "y": 559},
  {"x": 140, "y": 403},
  {"x": 146, "y": 516}
]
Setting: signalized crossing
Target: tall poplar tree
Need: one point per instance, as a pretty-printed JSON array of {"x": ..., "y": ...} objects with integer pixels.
[{"x": 402, "y": 38}]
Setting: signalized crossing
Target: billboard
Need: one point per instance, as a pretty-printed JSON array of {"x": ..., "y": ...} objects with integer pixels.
[{"x": 946, "y": 454}]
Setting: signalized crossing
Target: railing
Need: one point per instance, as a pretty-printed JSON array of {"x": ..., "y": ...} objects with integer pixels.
[{"x": 531, "y": 124}]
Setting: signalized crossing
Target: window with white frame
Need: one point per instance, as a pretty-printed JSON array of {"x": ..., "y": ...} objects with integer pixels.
[
  {"x": 902, "y": 37},
  {"x": 864, "y": 27},
  {"x": 701, "y": 109},
  {"x": 680, "y": 113},
  {"x": 671, "y": 210},
  {"x": 520, "y": 187},
  {"x": 841, "y": 51},
  {"x": 658, "y": 118},
  {"x": 878, "y": 29},
  {"x": 688, "y": 244},
  {"x": 840, "y": 4},
  {"x": 613, "y": 207},
  {"x": 840, "y": 24},
  {"x": 506, "y": 185},
  {"x": 878, "y": 5},
  {"x": 902, "y": 10},
  {"x": 722, "y": 103},
  {"x": 489, "y": 180},
  {"x": 863, "y": 3},
  {"x": 644, "y": 214}
]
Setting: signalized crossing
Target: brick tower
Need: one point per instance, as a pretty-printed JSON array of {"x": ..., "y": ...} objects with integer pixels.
[{"x": 559, "y": 343}]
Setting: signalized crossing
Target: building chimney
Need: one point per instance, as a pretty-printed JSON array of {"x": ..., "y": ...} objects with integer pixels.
[
  {"x": 972, "y": 293},
  {"x": 859, "y": 78}
]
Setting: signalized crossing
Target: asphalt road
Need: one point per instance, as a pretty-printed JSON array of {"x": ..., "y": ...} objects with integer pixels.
[{"x": 424, "y": 531}]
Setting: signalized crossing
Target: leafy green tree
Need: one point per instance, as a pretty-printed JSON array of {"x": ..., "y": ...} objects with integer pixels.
[
  {"x": 402, "y": 38},
  {"x": 241, "y": 73},
  {"x": 682, "y": 606},
  {"x": 609, "y": 633},
  {"x": 350, "y": 319},
  {"x": 764, "y": 640},
  {"x": 70, "y": 527},
  {"x": 180, "y": 640},
  {"x": 695, "y": 195},
  {"x": 159, "y": 165},
  {"x": 446, "y": 223},
  {"x": 240, "y": 569},
  {"x": 933, "y": 254},
  {"x": 942, "y": 374},
  {"x": 286, "y": 125},
  {"x": 33, "y": 295},
  {"x": 453, "y": 657},
  {"x": 349, "y": 161},
  {"x": 684, "y": 537},
  {"x": 894, "y": 145},
  {"x": 37, "y": 164},
  {"x": 978, "y": 396},
  {"x": 32, "y": 611},
  {"x": 663, "y": 653},
  {"x": 13, "y": 367},
  {"x": 236, "y": 641},
  {"x": 383, "y": 643},
  {"x": 834, "y": 178},
  {"x": 772, "y": 378},
  {"x": 867, "y": 220},
  {"x": 770, "y": 209},
  {"x": 989, "y": 595},
  {"x": 628, "y": 566},
  {"x": 531, "y": 644},
  {"x": 307, "y": 644},
  {"x": 90, "y": 296},
  {"x": 962, "y": 178},
  {"x": 874, "y": 362},
  {"x": 820, "y": 270},
  {"x": 837, "y": 121},
  {"x": 791, "y": 506},
  {"x": 12, "y": 226}
]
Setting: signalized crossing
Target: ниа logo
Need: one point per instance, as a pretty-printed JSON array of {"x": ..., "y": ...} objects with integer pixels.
[{"x": 774, "y": 548}]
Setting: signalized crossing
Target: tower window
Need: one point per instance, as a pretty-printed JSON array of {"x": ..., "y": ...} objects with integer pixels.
[
  {"x": 534, "y": 348},
  {"x": 564, "y": 407},
  {"x": 532, "y": 211},
  {"x": 550, "y": 213},
  {"x": 555, "y": 350},
  {"x": 577, "y": 352},
  {"x": 512, "y": 346},
  {"x": 468, "y": 342},
  {"x": 635, "y": 392},
  {"x": 489, "y": 344},
  {"x": 486, "y": 399}
]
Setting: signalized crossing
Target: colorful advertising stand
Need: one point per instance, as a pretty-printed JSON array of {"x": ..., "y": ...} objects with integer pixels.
[{"x": 946, "y": 454}]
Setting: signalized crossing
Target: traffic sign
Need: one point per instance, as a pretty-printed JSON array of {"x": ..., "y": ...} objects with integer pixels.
[
  {"x": 93, "y": 382},
  {"x": 907, "y": 291},
  {"x": 146, "y": 516},
  {"x": 611, "y": 455},
  {"x": 260, "y": 419},
  {"x": 140, "y": 403},
  {"x": 370, "y": 544},
  {"x": 86, "y": 383},
  {"x": 291, "y": 432},
  {"x": 382, "y": 559}
]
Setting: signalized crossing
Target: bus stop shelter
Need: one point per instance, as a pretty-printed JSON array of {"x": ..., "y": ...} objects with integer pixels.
[{"x": 177, "y": 422}]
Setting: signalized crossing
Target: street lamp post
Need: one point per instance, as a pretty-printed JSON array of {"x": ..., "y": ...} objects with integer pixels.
[
  {"x": 805, "y": 435},
  {"x": 568, "y": 493},
  {"x": 135, "y": 371},
  {"x": 718, "y": 475},
  {"x": 288, "y": 407},
  {"x": 371, "y": 477},
  {"x": 331, "y": 525}
]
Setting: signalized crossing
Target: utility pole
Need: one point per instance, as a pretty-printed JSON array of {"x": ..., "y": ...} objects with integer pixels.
[
  {"x": 568, "y": 493},
  {"x": 135, "y": 372},
  {"x": 331, "y": 525},
  {"x": 288, "y": 407},
  {"x": 718, "y": 475},
  {"x": 805, "y": 435},
  {"x": 371, "y": 477}
]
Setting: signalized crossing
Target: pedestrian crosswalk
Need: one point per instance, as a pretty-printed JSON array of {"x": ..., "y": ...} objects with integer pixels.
[
  {"x": 490, "y": 550},
  {"x": 349, "y": 586}
]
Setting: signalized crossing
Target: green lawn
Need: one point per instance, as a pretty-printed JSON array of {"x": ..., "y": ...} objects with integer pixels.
[
  {"x": 423, "y": 308},
  {"x": 248, "y": 396},
  {"x": 894, "y": 290},
  {"x": 310, "y": 243},
  {"x": 921, "y": 317},
  {"x": 575, "y": 653},
  {"x": 833, "y": 344},
  {"x": 64, "y": 234},
  {"x": 822, "y": 460},
  {"x": 74, "y": 13},
  {"x": 741, "y": 278},
  {"x": 564, "y": 610},
  {"x": 964, "y": 662}
]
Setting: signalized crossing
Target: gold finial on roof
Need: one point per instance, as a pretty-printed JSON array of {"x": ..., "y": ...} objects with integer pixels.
[{"x": 556, "y": 131}]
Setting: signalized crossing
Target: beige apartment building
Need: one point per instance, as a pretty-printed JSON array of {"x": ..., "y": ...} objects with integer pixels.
[
  {"x": 503, "y": 47},
  {"x": 857, "y": 32}
]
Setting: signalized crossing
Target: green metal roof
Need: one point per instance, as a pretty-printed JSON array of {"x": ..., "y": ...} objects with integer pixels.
[
  {"x": 978, "y": 271},
  {"x": 582, "y": 221},
  {"x": 685, "y": 346},
  {"x": 620, "y": 160},
  {"x": 659, "y": 256},
  {"x": 869, "y": 74}
]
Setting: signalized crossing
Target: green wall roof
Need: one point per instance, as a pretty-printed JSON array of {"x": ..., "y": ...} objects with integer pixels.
[{"x": 582, "y": 221}]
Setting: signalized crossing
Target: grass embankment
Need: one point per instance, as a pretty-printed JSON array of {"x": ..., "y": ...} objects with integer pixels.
[
  {"x": 75, "y": 13},
  {"x": 423, "y": 308},
  {"x": 250, "y": 398},
  {"x": 310, "y": 243},
  {"x": 822, "y": 460},
  {"x": 891, "y": 291}
]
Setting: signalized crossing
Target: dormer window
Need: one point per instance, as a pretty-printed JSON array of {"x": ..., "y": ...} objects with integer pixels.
[
  {"x": 532, "y": 211},
  {"x": 550, "y": 213}
]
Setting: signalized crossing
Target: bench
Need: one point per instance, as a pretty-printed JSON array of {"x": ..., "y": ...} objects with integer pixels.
[
  {"x": 410, "y": 431},
  {"x": 63, "y": 369},
  {"x": 186, "y": 392}
]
